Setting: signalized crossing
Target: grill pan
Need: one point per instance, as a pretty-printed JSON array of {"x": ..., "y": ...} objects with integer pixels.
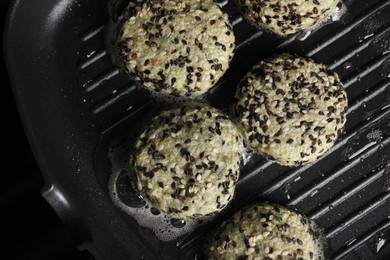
[{"x": 74, "y": 100}]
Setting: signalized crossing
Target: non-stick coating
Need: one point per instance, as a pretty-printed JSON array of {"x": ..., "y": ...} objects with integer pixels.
[{"x": 74, "y": 101}]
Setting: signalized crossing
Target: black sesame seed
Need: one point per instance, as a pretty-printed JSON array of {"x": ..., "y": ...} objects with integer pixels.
[
  {"x": 246, "y": 242},
  {"x": 173, "y": 81},
  {"x": 149, "y": 174},
  {"x": 188, "y": 169}
]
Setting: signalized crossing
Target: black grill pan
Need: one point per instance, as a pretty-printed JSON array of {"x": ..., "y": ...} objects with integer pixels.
[{"x": 74, "y": 101}]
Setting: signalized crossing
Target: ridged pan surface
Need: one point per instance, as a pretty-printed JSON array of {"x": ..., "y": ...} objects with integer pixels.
[{"x": 75, "y": 101}]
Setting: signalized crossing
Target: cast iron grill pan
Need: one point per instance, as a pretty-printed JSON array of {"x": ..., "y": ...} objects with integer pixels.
[{"x": 74, "y": 101}]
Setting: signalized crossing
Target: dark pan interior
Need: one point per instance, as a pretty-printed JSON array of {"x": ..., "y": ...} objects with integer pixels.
[{"x": 74, "y": 101}]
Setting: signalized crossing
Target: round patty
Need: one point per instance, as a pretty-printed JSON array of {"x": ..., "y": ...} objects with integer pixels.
[
  {"x": 286, "y": 17},
  {"x": 186, "y": 162},
  {"x": 264, "y": 231},
  {"x": 174, "y": 47},
  {"x": 291, "y": 108}
]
